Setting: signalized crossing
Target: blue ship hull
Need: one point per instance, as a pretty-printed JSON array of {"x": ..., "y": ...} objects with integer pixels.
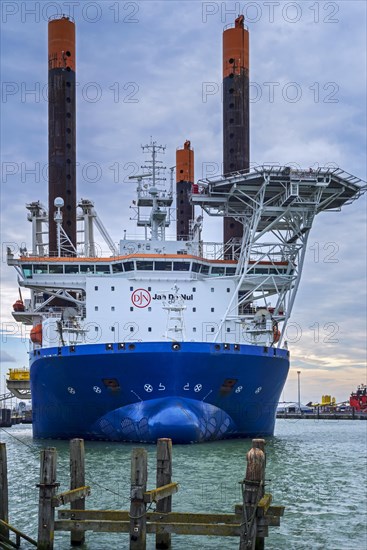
[{"x": 139, "y": 392}]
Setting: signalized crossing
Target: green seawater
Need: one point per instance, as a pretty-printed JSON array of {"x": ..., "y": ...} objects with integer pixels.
[{"x": 316, "y": 468}]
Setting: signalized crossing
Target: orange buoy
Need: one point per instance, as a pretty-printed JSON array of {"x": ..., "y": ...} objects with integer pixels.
[{"x": 36, "y": 334}]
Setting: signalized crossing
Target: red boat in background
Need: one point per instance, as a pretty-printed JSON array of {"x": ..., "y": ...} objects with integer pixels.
[{"x": 358, "y": 399}]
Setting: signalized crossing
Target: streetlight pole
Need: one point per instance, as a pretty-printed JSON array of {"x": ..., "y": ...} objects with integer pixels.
[{"x": 299, "y": 390}]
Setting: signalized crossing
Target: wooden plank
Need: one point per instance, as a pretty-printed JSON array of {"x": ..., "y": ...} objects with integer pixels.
[
  {"x": 172, "y": 517},
  {"x": 222, "y": 530},
  {"x": 160, "y": 493},
  {"x": 77, "y": 479},
  {"x": 276, "y": 511},
  {"x": 19, "y": 533},
  {"x": 4, "y": 502},
  {"x": 139, "y": 477},
  {"x": 46, "y": 512},
  {"x": 164, "y": 477},
  {"x": 271, "y": 521},
  {"x": 6, "y": 544},
  {"x": 70, "y": 496},
  {"x": 272, "y": 510}
]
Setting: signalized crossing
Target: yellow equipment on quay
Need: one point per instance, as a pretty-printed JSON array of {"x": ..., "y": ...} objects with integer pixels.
[{"x": 18, "y": 383}]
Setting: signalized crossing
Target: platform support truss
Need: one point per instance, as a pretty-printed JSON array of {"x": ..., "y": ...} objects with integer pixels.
[{"x": 276, "y": 206}]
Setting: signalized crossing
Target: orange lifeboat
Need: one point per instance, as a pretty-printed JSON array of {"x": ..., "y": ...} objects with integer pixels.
[
  {"x": 36, "y": 334},
  {"x": 18, "y": 306},
  {"x": 276, "y": 333}
]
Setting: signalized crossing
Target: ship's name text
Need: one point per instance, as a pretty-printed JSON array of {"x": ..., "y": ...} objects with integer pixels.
[{"x": 172, "y": 297}]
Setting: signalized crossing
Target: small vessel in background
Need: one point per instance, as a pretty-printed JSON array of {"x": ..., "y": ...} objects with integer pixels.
[{"x": 358, "y": 398}]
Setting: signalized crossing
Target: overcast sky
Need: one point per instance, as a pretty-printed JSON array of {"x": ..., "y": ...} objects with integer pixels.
[{"x": 154, "y": 69}]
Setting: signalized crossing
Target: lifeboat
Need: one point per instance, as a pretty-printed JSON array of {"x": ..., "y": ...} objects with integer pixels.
[
  {"x": 276, "y": 333},
  {"x": 36, "y": 334},
  {"x": 18, "y": 306}
]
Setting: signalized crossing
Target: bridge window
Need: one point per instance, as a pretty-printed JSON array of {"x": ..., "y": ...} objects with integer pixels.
[
  {"x": 104, "y": 268},
  {"x": 144, "y": 265},
  {"x": 56, "y": 269},
  {"x": 218, "y": 270},
  {"x": 117, "y": 268},
  {"x": 163, "y": 266},
  {"x": 129, "y": 266},
  {"x": 204, "y": 270},
  {"x": 277, "y": 271},
  {"x": 27, "y": 271},
  {"x": 72, "y": 268},
  {"x": 40, "y": 269},
  {"x": 230, "y": 270},
  {"x": 181, "y": 266},
  {"x": 196, "y": 267},
  {"x": 87, "y": 268}
]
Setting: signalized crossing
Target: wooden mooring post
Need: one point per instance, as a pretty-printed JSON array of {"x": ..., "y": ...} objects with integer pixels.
[
  {"x": 253, "y": 491},
  {"x": 47, "y": 488},
  {"x": 164, "y": 477},
  {"x": 138, "y": 518},
  {"x": 4, "y": 512},
  {"x": 77, "y": 479}
]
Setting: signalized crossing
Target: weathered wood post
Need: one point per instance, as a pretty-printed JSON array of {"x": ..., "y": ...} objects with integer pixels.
[
  {"x": 139, "y": 477},
  {"x": 164, "y": 476},
  {"x": 260, "y": 444},
  {"x": 46, "y": 510},
  {"x": 252, "y": 493},
  {"x": 4, "y": 510},
  {"x": 77, "y": 479}
]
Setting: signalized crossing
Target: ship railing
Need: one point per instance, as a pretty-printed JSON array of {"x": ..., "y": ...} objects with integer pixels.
[
  {"x": 232, "y": 26},
  {"x": 57, "y": 16}
]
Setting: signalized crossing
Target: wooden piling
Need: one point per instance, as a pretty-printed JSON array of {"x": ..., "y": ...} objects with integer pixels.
[
  {"x": 46, "y": 510},
  {"x": 77, "y": 479},
  {"x": 252, "y": 492},
  {"x": 260, "y": 444},
  {"x": 139, "y": 477},
  {"x": 4, "y": 503},
  {"x": 164, "y": 477}
]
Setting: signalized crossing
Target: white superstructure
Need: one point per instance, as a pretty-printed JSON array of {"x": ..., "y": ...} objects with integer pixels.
[{"x": 156, "y": 289}]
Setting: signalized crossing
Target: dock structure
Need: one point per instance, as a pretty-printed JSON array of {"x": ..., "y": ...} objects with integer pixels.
[{"x": 250, "y": 521}]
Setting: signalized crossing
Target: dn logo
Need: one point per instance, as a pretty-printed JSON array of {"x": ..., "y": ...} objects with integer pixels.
[{"x": 141, "y": 297}]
